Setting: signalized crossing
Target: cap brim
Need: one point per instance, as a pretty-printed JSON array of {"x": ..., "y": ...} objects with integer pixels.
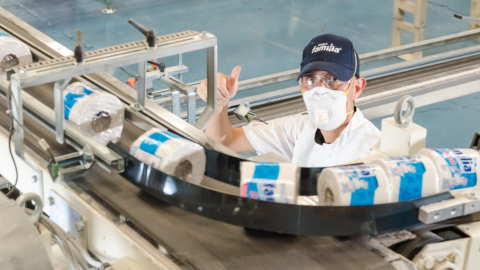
[{"x": 339, "y": 71}]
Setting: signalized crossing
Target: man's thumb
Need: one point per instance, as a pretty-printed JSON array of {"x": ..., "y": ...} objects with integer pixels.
[{"x": 236, "y": 72}]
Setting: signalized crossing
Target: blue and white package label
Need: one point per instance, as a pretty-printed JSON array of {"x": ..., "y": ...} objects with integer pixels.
[
  {"x": 411, "y": 171},
  {"x": 461, "y": 168},
  {"x": 362, "y": 184},
  {"x": 169, "y": 153},
  {"x": 71, "y": 99},
  {"x": 150, "y": 145},
  {"x": 266, "y": 182}
]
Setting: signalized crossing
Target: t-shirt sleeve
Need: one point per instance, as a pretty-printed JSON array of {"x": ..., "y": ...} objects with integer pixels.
[{"x": 279, "y": 136}]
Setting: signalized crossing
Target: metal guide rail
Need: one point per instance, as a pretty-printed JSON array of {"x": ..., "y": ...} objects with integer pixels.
[
  {"x": 62, "y": 70},
  {"x": 276, "y": 217}
]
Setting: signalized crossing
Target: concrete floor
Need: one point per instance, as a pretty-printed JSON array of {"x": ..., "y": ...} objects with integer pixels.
[{"x": 262, "y": 36}]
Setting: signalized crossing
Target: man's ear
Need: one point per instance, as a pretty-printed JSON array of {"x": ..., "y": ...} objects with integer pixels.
[{"x": 360, "y": 84}]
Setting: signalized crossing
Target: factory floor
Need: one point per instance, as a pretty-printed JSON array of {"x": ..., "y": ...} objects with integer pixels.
[{"x": 264, "y": 37}]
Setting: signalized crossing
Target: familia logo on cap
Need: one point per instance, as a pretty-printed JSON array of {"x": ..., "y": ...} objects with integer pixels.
[{"x": 324, "y": 47}]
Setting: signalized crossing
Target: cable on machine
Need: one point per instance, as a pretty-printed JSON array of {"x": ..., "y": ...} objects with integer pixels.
[{"x": 45, "y": 146}]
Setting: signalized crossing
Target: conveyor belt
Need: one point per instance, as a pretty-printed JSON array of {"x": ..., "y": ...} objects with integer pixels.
[
  {"x": 201, "y": 243},
  {"x": 196, "y": 242}
]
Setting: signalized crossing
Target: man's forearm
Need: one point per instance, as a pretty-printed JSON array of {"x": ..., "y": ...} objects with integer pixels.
[{"x": 220, "y": 128}]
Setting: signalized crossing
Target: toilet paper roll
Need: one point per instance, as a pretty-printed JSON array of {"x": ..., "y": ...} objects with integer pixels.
[
  {"x": 270, "y": 181},
  {"x": 354, "y": 185},
  {"x": 457, "y": 168},
  {"x": 13, "y": 52},
  {"x": 412, "y": 177},
  {"x": 171, "y": 154},
  {"x": 97, "y": 113}
]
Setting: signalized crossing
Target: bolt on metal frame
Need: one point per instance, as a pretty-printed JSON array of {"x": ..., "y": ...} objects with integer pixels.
[{"x": 62, "y": 70}]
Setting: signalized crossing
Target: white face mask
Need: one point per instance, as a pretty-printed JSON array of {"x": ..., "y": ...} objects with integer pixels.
[{"x": 327, "y": 108}]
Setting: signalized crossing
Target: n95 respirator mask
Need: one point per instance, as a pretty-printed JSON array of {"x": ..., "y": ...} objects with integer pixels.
[{"x": 326, "y": 108}]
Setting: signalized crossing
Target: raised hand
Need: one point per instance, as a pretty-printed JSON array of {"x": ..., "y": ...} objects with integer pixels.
[{"x": 226, "y": 87}]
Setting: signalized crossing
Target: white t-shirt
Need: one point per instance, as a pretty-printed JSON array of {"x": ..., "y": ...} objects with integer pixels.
[{"x": 293, "y": 138}]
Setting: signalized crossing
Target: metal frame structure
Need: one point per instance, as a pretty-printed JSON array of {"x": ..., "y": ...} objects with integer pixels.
[{"x": 58, "y": 69}]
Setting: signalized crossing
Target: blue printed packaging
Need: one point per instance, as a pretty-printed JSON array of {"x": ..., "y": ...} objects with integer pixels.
[
  {"x": 354, "y": 185},
  {"x": 270, "y": 181},
  {"x": 412, "y": 177},
  {"x": 457, "y": 168},
  {"x": 171, "y": 154}
]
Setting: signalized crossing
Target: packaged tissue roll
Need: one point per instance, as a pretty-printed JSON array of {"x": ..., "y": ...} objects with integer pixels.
[
  {"x": 270, "y": 181},
  {"x": 171, "y": 154},
  {"x": 97, "y": 113},
  {"x": 13, "y": 52},
  {"x": 412, "y": 177},
  {"x": 354, "y": 185},
  {"x": 457, "y": 168}
]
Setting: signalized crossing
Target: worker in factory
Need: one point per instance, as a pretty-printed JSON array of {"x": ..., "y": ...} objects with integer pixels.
[{"x": 332, "y": 132}]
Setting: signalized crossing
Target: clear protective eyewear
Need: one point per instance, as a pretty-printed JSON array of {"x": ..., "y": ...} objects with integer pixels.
[{"x": 312, "y": 80}]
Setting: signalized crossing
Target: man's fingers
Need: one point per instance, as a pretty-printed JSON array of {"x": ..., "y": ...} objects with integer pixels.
[
  {"x": 201, "y": 90},
  {"x": 222, "y": 87},
  {"x": 236, "y": 72}
]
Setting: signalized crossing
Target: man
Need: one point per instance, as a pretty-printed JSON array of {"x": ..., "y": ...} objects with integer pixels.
[{"x": 333, "y": 132}]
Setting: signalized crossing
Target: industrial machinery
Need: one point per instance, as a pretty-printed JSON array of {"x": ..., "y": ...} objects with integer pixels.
[{"x": 129, "y": 215}]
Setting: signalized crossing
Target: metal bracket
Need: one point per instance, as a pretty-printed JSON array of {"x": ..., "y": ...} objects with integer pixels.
[
  {"x": 176, "y": 102},
  {"x": 72, "y": 166},
  {"x": 37, "y": 179},
  {"x": 245, "y": 114},
  {"x": 141, "y": 87},
  {"x": 59, "y": 109},
  {"x": 179, "y": 86},
  {"x": 68, "y": 218},
  {"x": 57, "y": 69},
  {"x": 207, "y": 114},
  {"x": 466, "y": 202},
  {"x": 17, "y": 114}
]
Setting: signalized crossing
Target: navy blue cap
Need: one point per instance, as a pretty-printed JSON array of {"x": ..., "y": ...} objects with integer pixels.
[{"x": 331, "y": 53}]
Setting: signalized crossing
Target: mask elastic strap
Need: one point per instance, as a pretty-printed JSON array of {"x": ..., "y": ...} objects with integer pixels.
[
  {"x": 355, "y": 71},
  {"x": 350, "y": 112}
]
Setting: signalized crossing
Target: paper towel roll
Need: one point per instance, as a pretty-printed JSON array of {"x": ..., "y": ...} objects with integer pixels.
[
  {"x": 270, "y": 181},
  {"x": 412, "y": 177},
  {"x": 171, "y": 154},
  {"x": 457, "y": 168},
  {"x": 97, "y": 113},
  {"x": 13, "y": 52},
  {"x": 354, "y": 185}
]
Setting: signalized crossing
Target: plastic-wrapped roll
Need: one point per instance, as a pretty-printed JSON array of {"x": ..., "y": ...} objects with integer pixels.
[
  {"x": 97, "y": 113},
  {"x": 457, "y": 168},
  {"x": 354, "y": 185},
  {"x": 13, "y": 52},
  {"x": 269, "y": 181},
  {"x": 412, "y": 177},
  {"x": 171, "y": 154}
]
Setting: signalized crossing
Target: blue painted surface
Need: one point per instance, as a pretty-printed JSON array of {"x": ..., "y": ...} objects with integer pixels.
[{"x": 262, "y": 36}]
